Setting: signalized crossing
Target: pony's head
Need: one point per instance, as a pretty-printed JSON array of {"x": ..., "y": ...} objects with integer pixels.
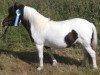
[{"x": 15, "y": 13}]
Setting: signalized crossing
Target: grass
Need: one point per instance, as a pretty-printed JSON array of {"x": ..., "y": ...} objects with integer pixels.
[{"x": 18, "y": 54}]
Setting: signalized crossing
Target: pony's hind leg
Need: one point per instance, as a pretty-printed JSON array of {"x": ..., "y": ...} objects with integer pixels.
[
  {"x": 92, "y": 53},
  {"x": 86, "y": 57},
  {"x": 52, "y": 56}
]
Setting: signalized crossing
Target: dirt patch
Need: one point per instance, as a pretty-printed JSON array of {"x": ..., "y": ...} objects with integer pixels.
[{"x": 25, "y": 63}]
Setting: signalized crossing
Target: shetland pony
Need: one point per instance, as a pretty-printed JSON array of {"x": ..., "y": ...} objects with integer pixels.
[{"x": 54, "y": 34}]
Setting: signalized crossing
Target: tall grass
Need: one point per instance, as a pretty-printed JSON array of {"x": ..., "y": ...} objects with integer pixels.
[{"x": 17, "y": 38}]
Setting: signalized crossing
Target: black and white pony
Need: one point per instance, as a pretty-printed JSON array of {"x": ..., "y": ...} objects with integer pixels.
[{"x": 54, "y": 34}]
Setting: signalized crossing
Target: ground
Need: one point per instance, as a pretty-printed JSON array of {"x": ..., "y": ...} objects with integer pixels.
[{"x": 26, "y": 62}]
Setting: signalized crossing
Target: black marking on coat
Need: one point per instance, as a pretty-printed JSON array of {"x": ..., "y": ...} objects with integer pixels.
[
  {"x": 92, "y": 37},
  {"x": 46, "y": 47},
  {"x": 10, "y": 18},
  {"x": 70, "y": 38}
]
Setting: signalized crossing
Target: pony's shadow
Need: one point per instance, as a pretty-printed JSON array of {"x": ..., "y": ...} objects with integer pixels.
[{"x": 32, "y": 57}]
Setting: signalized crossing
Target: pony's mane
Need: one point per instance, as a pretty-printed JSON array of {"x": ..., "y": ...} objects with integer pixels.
[{"x": 33, "y": 16}]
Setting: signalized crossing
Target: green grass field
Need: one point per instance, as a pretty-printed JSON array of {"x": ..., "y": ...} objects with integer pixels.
[{"x": 18, "y": 54}]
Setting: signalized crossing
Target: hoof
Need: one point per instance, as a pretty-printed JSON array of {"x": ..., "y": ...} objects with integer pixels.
[
  {"x": 40, "y": 68},
  {"x": 95, "y": 68},
  {"x": 54, "y": 63}
]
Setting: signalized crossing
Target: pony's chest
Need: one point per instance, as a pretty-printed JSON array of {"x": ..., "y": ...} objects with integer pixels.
[{"x": 37, "y": 35}]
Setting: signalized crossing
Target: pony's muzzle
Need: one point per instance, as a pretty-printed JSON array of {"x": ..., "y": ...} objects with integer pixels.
[{"x": 4, "y": 23}]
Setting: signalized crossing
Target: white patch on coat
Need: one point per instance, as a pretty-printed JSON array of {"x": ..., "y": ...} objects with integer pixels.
[
  {"x": 52, "y": 33},
  {"x": 46, "y": 32}
]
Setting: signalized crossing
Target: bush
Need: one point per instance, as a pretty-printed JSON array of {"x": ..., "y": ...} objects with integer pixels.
[{"x": 56, "y": 10}]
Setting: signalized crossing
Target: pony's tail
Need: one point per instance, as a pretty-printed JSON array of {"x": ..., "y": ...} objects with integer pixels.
[{"x": 94, "y": 38}]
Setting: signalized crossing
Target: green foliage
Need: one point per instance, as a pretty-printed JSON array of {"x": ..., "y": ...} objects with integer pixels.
[{"x": 17, "y": 38}]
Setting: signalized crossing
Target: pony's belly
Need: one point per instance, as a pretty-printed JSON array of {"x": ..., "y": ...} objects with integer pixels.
[{"x": 55, "y": 44}]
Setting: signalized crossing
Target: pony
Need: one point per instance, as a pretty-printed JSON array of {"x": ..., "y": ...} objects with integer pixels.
[{"x": 54, "y": 34}]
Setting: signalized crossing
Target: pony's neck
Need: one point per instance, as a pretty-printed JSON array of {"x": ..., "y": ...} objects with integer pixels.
[{"x": 34, "y": 17}]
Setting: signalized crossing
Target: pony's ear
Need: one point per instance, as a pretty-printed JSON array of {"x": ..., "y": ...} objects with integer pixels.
[{"x": 17, "y": 5}]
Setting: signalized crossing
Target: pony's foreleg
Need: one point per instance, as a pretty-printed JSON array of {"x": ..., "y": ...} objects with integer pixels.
[
  {"x": 40, "y": 53},
  {"x": 52, "y": 57}
]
